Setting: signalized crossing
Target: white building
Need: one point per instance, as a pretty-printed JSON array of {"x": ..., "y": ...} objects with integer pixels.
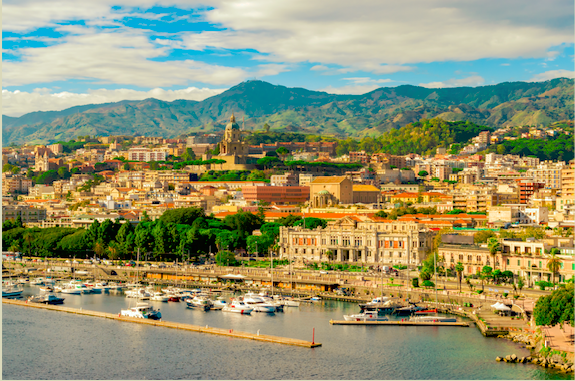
[{"x": 146, "y": 154}]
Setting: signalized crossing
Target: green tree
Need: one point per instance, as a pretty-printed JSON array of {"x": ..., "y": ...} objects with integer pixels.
[
  {"x": 459, "y": 269},
  {"x": 225, "y": 258},
  {"x": 494, "y": 246},
  {"x": 556, "y": 308},
  {"x": 554, "y": 263},
  {"x": 422, "y": 173},
  {"x": 483, "y": 235}
]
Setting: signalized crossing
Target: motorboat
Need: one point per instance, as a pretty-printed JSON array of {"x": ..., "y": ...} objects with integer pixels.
[
  {"x": 365, "y": 316},
  {"x": 138, "y": 293},
  {"x": 142, "y": 311},
  {"x": 115, "y": 286},
  {"x": 172, "y": 298},
  {"x": 159, "y": 297},
  {"x": 219, "y": 304},
  {"x": 434, "y": 319},
  {"x": 200, "y": 302},
  {"x": 37, "y": 282},
  {"x": 11, "y": 290},
  {"x": 379, "y": 299},
  {"x": 100, "y": 287},
  {"x": 385, "y": 308},
  {"x": 46, "y": 299},
  {"x": 408, "y": 310},
  {"x": 22, "y": 280},
  {"x": 238, "y": 306},
  {"x": 47, "y": 288},
  {"x": 258, "y": 304},
  {"x": 75, "y": 288}
]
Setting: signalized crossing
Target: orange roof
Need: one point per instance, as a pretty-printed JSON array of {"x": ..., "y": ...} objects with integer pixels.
[{"x": 328, "y": 179}]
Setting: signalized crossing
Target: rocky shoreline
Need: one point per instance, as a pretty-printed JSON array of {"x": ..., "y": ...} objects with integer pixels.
[{"x": 557, "y": 362}]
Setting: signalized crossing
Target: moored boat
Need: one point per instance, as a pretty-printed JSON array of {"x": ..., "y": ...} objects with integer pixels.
[
  {"x": 46, "y": 299},
  {"x": 238, "y": 306},
  {"x": 200, "y": 302},
  {"x": 142, "y": 311},
  {"x": 435, "y": 319},
  {"x": 366, "y": 316},
  {"x": 11, "y": 290}
]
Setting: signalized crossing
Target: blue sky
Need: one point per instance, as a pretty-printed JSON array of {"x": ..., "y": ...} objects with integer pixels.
[{"x": 57, "y": 54}]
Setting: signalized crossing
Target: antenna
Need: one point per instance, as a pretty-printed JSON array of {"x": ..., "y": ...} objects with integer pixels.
[{"x": 244, "y": 122}]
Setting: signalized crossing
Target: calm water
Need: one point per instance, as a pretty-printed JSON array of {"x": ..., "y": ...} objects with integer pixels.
[{"x": 39, "y": 344}]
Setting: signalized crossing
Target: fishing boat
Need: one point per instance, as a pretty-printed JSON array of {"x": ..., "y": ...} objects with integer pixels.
[
  {"x": 10, "y": 290},
  {"x": 366, "y": 316},
  {"x": 142, "y": 311},
  {"x": 238, "y": 306},
  {"x": 46, "y": 299}
]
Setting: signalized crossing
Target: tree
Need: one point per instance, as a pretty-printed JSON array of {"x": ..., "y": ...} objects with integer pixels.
[
  {"x": 483, "y": 235},
  {"x": 554, "y": 263},
  {"x": 520, "y": 283},
  {"x": 99, "y": 249},
  {"x": 311, "y": 222},
  {"x": 282, "y": 152},
  {"x": 126, "y": 166},
  {"x": 494, "y": 246},
  {"x": 330, "y": 255},
  {"x": 422, "y": 173},
  {"x": 556, "y": 308},
  {"x": 459, "y": 268},
  {"x": 268, "y": 162},
  {"x": 225, "y": 258}
]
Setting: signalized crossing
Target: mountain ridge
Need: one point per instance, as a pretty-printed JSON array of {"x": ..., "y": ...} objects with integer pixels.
[{"x": 302, "y": 110}]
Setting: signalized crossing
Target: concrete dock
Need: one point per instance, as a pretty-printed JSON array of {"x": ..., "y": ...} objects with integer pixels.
[
  {"x": 166, "y": 324},
  {"x": 399, "y": 322}
]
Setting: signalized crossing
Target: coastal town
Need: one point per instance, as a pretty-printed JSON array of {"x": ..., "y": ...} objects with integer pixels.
[{"x": 493, "y": 226}]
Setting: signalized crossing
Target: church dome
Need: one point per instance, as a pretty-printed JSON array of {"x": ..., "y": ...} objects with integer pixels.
[
  {"x": 232, "y": 125},
  {"x": 323, "y": 192}
]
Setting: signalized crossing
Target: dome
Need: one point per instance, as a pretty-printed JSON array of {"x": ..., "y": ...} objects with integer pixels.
[
  {"x": 232, "y": 125},
  {"x": 323, "y": 192}
]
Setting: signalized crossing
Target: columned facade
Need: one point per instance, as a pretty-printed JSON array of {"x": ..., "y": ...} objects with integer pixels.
[{"x": 351, "y": 241}]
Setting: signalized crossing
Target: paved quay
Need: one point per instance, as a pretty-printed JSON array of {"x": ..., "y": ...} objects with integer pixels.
[
  {"x": 399, "y": 322},
  {"x": 166, "y": 324}
]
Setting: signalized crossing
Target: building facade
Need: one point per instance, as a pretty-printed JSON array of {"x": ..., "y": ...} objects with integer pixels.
[{"x": 358, "y": 240}]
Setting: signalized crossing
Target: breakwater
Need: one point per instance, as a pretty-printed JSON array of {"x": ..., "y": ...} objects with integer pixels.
[{"x": 166, "y": 324}]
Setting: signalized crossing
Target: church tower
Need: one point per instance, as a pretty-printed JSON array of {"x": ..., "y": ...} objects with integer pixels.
[{"x": 232, "y": 142}]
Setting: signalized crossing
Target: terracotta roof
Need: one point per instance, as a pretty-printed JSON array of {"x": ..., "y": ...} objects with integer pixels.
[
  {"x": 328, "y": 179},
  {"x": 365, "y": 188}
]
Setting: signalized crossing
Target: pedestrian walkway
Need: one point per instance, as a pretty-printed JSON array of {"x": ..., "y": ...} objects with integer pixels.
[{"x": 558, "y": 338}]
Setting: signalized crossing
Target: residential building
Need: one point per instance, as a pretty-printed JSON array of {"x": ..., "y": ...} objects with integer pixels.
[
  {"x": 276, "y": 194},
  {"x": 28, "y": 214},
  {"x": 305, "y": 179},
  {"x": 527, "y": 188},
  {"x": 12, "y": 184},
  {"x": 146, "y": 154},
  {"x": 287, "y": 179},
  {"x": 548, "y": 173}
]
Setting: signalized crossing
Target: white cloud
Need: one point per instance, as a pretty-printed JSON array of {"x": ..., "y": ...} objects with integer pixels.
[
  {"x": 552, "y": 74},
  {"x": 474, "y": 80},
  {"x": 17, "y": 103},
  {"x": 384, "y": 36},
  {"x": 362, "y": 80},
  {"x": 117, "y": 56}
]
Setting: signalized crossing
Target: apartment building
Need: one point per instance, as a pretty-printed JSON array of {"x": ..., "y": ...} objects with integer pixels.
[
  {"x": 287, "y": 179},
  {"x": 28, "y": 214},
  {"x": 527, "y": 188},
  {"x": 12, "y": 184},
  {"x": 356, "y": 240},
  {"x": 548, "y": 173},
  {"x": 276, "y": 194},
  {"x": 146, "y": 154}
]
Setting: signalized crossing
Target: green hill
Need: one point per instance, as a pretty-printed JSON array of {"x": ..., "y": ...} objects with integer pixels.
[{"x": 299, "y": 110}]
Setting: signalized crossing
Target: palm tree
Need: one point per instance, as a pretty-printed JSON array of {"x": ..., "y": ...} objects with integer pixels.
[
  {"x": 459, "y": 268},
  {"x": 554, "y": 263},
  {"x": 99, "y": 249},
  {"x": 28, "y": 239},
  {"x": 494, "y": 246},
  {"x": 330, "y": 255},
  {"x": 112, "y": 252}
]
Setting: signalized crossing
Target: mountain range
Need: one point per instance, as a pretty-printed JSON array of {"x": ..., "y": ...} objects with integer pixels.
[{"x": 256, "y": 103}]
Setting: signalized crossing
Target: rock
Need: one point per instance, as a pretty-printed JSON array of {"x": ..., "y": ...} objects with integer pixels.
[
  {"x": 513, "y": 357},
  {"x": 508, "y": 358},
  {"x": 497, "y": 358},
  {"x": 522, "y": 360}
]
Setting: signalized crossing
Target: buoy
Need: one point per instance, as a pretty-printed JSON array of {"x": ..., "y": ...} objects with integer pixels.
[{"x": 118, "y": 314}]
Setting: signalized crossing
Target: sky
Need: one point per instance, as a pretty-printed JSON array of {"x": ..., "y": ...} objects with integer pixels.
[{"x": 57, "y": 54}]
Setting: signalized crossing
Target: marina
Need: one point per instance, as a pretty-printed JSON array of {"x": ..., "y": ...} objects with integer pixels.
[{"x": 156, "y": 353}]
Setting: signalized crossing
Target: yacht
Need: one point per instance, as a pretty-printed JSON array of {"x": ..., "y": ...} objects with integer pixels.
[
  {"x": 258, "y": 304},
  {"x": 142, "y": 311},
  {"x": 46, "y": 299},
  {"x": 219, "y": 304},
  {"x": 239, "y": 307},
  {"x": 200, "y": 302},
  {"x": 385, "y": 308},
  {"x": 159, "y": 297},
  {"x": 138, "y": 293},
  {"x": 365, "y": 316},
  {"x": 76, "y": 287},
  {"x": 287, "y": 301}
]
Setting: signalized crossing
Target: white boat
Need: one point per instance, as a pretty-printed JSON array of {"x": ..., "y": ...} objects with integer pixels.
[
  {"x": 115, "y": 286},
  {"x": 22, "y": 280},
  {"x": 37, "y": 282},
  {"x": 76, "y": 287},
  {"x": 142, "y": 311},
  {"x": 238, "y": 306},
  {"x": 366, "y": 316},
  {"x": 46, "y": 288},
  {"x": 46, "y": 299},
  {"x": 138, "y": 293},
  {"x": 432, "y": 319},
  {"x": 200, "y": 302},
  {"x": 219, "y": 304},
  {"x": 258, "y": 304},
  {"x": 287, "y": 301},
  {"x": 159, "y": 297}
]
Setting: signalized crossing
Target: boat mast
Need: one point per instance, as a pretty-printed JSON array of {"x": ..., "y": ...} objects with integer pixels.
[
  {"x": 435, "y": 272},
  {"x": 138, "y": 267},
  {"x": 272, "y": 270}
]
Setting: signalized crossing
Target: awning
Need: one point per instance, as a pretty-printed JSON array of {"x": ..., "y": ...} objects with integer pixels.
[
  {"x": 232, "y": 276},
  {"x": 500, "y": 307}
]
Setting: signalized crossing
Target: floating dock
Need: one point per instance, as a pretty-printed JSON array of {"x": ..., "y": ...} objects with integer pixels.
[
  {"x": 399, "y": 322},
  {"x": 166, "y": 324}
]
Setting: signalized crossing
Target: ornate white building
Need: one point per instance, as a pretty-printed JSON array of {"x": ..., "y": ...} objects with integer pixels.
[{"x": 359, "y": 240}]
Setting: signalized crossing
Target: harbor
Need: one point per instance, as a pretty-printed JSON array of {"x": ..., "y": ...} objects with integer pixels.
[{"x": 167, "y": 324}]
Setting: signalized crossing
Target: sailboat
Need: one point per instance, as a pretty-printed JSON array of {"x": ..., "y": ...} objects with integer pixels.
[{"x": 434, "y": 318}]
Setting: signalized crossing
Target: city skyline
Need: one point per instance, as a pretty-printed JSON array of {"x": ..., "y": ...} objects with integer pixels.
[{"x": 58, "y": 55}]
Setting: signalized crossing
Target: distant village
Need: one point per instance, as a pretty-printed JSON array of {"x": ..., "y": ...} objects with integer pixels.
[{"x": 126, "y": 178}]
